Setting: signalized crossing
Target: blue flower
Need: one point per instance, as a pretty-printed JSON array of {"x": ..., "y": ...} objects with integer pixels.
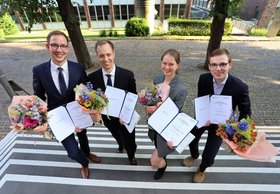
[
  {"x": 230, "y": 130},
  {"x": 89, "y": 86},
  {"x": 243, "y": 125}
]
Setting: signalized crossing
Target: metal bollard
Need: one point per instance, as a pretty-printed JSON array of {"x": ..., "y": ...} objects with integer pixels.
[{"x": 5, "y": 83}]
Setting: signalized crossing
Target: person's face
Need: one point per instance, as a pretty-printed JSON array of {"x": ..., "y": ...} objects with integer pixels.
[
  {"x": 169, "y": 65},
  {"x": 219, "y": 67},
  {"x": 58, "y": 49},
  {"x": 105, "y": 56}
]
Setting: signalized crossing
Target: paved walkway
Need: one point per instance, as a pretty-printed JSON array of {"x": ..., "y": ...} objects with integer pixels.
[{"x": 256, "y": 62}]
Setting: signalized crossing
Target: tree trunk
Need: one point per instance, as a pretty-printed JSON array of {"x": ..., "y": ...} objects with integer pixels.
[
  {"x": 88, "y": 18},
  {"x": 135, "y": 8},
  {"x": 72, "y": 25},
  {"x": 112, "y": 14},
  {"x": 188, "y": 9},
  {"x": 217, "y": 28},
  {"x": 20, "y": 21},
  {"x": 161, "y": 11}
]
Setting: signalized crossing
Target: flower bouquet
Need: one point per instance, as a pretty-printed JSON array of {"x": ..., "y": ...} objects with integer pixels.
[
  {"x": 150, "y": 96},
  {"x": 244, "y": 140},
  {"x": 92, "y": 101},
  {"x": 28, "y": 113}
]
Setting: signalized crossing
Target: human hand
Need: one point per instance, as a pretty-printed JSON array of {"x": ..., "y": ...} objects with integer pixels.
[
  {"x": 169, "y": 144},
  {"x": 95, "y": 116},
  {"x": 207, "y": 123},
  {"x": 121, "y": 121},
  {"x": 78, "y": 130}
]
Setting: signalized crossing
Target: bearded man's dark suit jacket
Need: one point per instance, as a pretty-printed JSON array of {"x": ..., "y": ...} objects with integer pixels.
[
  {"x": 240, "y": 98},
  {"x": 124, "y": 79},
  {"x": 44, "y": 88}
]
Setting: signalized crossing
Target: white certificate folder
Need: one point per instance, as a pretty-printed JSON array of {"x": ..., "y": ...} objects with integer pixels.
[
  {"x": 171, "y": 124},
  {"x": 63, "y": 120},
  {"x": 216, "y": 109},
  {"x": 121, "y": 103}
]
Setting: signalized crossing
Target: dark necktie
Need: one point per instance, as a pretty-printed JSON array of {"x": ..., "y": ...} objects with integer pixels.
[
  {"x": 62, "y": 85},
  {"x": 109, "y": 81}
]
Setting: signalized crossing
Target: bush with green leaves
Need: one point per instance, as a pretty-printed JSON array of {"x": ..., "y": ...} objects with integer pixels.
[
  {"x": 137, "y": 27},
  {"x": 110, "y": 33},
  {"x": 194, "y": 27},
  {"x": 8, "y": 25},
  {"x": 2, "y": 35},
  {"x": 258, "y": 32}
]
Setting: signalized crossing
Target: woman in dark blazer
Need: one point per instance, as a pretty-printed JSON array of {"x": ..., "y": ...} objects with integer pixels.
[{"x": 171, "y": 86}]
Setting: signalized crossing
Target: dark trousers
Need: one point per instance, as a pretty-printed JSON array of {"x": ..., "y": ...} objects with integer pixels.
[
  {"x": 121, "y": 135},
  {"x": 72, "y": 148},
  {"x": 212, "y": 146}
]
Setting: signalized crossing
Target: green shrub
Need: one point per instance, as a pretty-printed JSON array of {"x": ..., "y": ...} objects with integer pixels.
[
  {"x": 110, "y": 33},
  {"x": 137, "y": 27},
  {"x": 2, "y": 34},
  {"x": 258, "y": 32},
  {"x": 102, "y": 33},
  {"x": 194, "y": 27},
  {"x": 278, "y": 34},
  {"x": 8, "y": 25}
]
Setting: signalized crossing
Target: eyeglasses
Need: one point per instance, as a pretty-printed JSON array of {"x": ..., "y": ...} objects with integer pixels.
[
  {"x": 215, "y": 66},
  {"x": 56, "y": 46}
]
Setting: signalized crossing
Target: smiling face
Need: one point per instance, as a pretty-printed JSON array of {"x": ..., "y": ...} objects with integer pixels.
[
  {"x": 58, "y": 49},
  {"x": 219, "y": 66},
  {"x": 169, "y": 65},
  {"x": 105, "y": 56}
]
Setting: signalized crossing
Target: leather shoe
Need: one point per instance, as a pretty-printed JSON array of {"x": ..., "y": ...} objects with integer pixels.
[
  {"x": 119, "y": 151},
  {"x": 133, "y": 161},
  {"x": 159, "y": 173},
  {"x": 94, "y": 158},
  {"x": 188, "y": 161},
  {"x": 84, "y": 172},
  {"x": 199, "y": 176}
]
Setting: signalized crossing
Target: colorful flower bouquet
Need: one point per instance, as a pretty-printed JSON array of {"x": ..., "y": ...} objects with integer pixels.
[
  {"x": 150, "y": 96},
  {"x": 92, "y": 101},
  {"x": 28, "y": 113},
  {"x": 244, "y": 140}
]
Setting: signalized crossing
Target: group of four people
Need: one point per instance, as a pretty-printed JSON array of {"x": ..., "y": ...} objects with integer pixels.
[{"x": 47, "y": 86}]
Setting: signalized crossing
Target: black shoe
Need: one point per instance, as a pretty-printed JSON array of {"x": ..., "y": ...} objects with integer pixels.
[
  {"x": 159, "y": 173},
  {"x": 133, "y": 161},
  {"x": 119, "y": 150}
]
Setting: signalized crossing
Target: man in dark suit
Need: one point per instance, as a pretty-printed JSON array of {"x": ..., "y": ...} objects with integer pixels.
[
  {"x": 121, "y": 78},
  {"x": 53, "y": 81},
  {"x": 218, "y": 82}
]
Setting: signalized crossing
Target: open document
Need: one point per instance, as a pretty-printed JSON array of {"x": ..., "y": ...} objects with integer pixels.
[
  {"x": 216, "y": 109},
  {"x": 172, "y": 125},
  {"x": 121, "y": 103},
  {"x": 63, "y": 120},
  {"x": 134, "y": 120}
]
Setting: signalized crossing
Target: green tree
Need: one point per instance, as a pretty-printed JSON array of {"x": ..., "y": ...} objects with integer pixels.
[
  {"x": 8, "y": 25},
  {"x": 39, "y": 10},
  {"x": 221, "y": 9}
]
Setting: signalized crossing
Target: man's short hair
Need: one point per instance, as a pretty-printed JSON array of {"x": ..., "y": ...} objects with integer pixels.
[
  {"x": 103, "y": 42},
  {"x": 56, "y": 32},
  {"x": 220, "y": 51}
]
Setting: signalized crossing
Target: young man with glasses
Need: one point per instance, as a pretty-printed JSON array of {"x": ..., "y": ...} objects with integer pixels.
[
  {"x": 218, "y": 82},
  {"x": 53, "y": 81}
]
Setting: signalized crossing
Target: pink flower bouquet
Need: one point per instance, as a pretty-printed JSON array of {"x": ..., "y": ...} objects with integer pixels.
[
  {"x": 245, "y": 141},
  {"x": 28, "y": 113}
]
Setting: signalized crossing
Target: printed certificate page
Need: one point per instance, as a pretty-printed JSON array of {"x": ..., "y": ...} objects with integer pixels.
[
  {"x": 163, "y": 115},
  {"x": 116, "y": 97},
  {"x": 128, "y": 107},
  {"x": 220, "y": 108},
  {"x": 60, "y": 123},
  {"x": 79, "y": 118},
  {"x": 134, "y": 120},
  {"x": 202, "y": 110},
  {"x": 179, "y": 128}
]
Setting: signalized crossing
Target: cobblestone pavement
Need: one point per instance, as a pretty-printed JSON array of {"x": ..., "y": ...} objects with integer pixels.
[{"x": 255, "y": 62}]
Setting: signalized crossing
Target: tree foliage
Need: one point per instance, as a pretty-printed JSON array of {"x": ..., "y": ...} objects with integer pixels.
[
  {"x": 8, "y": 25},
  {"x": 37, "y": 11},
  {"x": 220, "y": 10}
]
